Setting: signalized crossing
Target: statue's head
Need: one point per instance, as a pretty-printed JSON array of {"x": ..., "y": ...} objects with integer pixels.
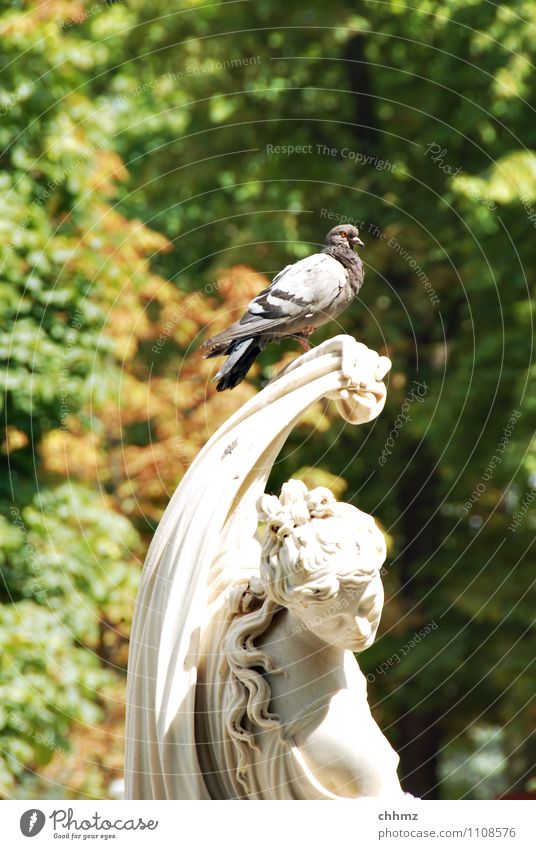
[{"x": 321, "y": 559}]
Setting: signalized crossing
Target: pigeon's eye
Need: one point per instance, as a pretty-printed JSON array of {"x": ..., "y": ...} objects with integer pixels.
[{"x": 344, "y": 234}]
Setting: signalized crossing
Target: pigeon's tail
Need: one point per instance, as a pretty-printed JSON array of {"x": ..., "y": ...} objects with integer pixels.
[{"x": 241, "y": 357}]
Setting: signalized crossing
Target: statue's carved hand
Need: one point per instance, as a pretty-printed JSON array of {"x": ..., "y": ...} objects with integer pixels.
[{"x": 362, "y": 395}]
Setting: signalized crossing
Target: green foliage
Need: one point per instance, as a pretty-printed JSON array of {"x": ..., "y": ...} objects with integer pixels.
[
  {"x": 45, "y": 685},
  {"x": 72, "y": 558},
  {"x": 67, "y": 560}
]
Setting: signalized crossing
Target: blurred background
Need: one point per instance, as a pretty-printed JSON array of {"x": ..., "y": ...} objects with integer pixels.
[{"x": 159, "y": 163}]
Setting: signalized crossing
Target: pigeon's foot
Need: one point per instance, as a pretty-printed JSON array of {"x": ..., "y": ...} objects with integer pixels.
[{"x": 303, "y": 340}]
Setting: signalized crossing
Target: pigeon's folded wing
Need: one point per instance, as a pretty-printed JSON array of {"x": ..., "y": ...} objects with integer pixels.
[
  {"x": 302, "y": 290},
  {"x": 309, "y": 285}
]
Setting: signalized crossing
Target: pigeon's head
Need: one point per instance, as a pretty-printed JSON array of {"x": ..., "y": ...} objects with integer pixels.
[{"x": 344, "y": 236}]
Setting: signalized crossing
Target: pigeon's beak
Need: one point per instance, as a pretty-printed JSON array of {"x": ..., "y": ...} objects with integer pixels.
[{"x": 355, "y": 240}]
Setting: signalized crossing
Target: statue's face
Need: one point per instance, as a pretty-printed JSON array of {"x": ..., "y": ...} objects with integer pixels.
[{"x": 350, "y": 619}]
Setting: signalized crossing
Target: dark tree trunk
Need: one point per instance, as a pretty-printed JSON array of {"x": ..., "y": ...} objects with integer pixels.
[
  {"x": 419, "y": 759},
  {"x": 361, "y": 84},
  {"x": 419, "y": 731},
  {"x": 520, "y": 752}
]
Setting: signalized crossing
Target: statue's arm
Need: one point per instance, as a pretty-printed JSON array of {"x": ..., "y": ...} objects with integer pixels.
[{"x": 346, "y": 751}]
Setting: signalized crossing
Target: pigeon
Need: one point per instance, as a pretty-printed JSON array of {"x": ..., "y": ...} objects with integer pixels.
[{"x": 302, "y": 297}]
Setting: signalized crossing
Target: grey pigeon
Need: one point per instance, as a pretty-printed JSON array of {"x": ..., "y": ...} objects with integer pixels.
[{"x": 302, "y": 297}]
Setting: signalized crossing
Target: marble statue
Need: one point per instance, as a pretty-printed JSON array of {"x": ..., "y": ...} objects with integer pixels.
[{"x": 242, "y": 679}]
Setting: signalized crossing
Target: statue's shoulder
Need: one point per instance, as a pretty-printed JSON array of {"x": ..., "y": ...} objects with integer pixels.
[
  {"x": 325, "y": 716},
  {"x": 346, "y": 751}
]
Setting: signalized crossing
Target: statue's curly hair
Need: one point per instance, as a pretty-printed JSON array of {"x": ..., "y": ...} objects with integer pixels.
[{"x": 311, "y": 546}]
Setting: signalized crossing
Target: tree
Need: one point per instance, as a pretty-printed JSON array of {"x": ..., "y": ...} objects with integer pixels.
[{"x": 238, "y": 134}]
